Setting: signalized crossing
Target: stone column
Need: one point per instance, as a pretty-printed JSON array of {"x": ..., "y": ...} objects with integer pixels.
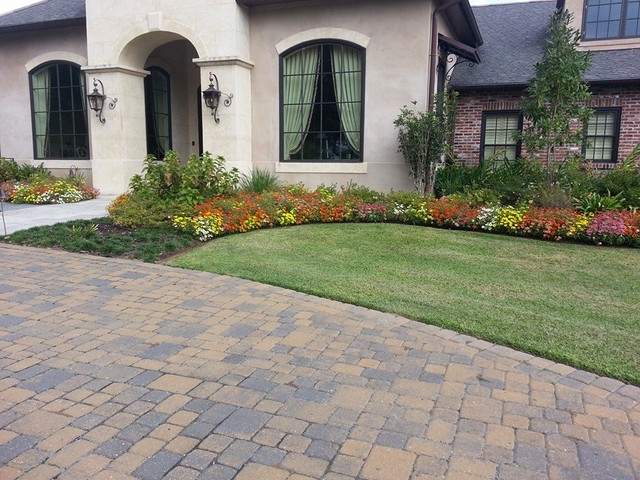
[
  {"x": 118, "y": 147},
  {"x": 230, "y": 138}
]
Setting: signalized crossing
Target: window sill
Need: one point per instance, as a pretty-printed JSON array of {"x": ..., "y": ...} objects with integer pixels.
[
  {"x": 609, "y": 43},
  {"x": 63, "y": 163},
  {"x": 304, "y": 167}
]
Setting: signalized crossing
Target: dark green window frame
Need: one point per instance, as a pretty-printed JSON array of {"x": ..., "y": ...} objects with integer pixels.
[
  {"x": 611, "y": 19},
  {"x": 602, "y": 134},
  {"x": 322, "y": 102},
  {"x": 497, "y": 131},
  {"x": 59, "y": 112},
  {"x": 157, "y": 95}
]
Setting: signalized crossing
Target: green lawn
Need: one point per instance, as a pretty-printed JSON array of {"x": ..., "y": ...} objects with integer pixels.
[{"x": 576, "y": 304}]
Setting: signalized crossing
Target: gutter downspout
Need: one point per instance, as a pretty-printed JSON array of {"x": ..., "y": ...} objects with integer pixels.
[{"x": 434, "y": 49}]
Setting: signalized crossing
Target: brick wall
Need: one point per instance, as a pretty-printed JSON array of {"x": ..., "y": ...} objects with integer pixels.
[{"x": 471, "y": 104}]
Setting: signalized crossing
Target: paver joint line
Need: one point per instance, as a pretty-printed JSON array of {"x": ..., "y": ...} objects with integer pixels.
[{"x": 157, "y": 373}]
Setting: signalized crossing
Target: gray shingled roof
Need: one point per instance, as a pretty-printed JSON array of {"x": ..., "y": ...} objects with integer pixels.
[
  {"x": 46, "y": 14},
  {"x": 615, "y": 66},
  {"x": 514, "y": 41}
]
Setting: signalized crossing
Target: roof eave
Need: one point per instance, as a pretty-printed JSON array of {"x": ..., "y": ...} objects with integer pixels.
[
  {"x": 621, "y": 81},
  {"x": 458, "y": 48},
  {"x": 521, "y": 86},
  {"x": 467, "y": 88},
  {"x": 460, "y": 17},
  {"x": 76, "y": 22}
]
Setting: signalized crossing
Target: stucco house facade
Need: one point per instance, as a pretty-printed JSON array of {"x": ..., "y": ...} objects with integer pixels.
[
  {"x": 514, "y": 35},
  {"x": 315, "y": 85}
]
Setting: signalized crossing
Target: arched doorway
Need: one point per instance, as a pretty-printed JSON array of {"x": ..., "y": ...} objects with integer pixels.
[{"x": 171, "y": 114}]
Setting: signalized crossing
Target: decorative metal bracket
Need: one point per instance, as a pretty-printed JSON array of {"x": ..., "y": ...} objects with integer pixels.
[
  {"x": 456, "y": 60},
  {"x": 212, "y": 96},
  {"x": 97, "y": 99}
]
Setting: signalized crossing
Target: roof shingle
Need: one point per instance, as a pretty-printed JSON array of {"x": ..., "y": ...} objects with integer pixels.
[
  {"x": 49, "y": 13},
  {"x": 514, "y": 36}
]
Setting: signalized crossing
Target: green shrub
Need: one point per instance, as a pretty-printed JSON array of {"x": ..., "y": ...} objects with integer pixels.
[
  {"x": 360, "y": 193},
  {"x": 457, "y": 178},
  {"x": 11, "y": 171},
  {"x": 594, "y": 202},
  {"x": 511, "y": 181},
  {"x": 474, "y": 198},
  {"x": 202, "y": 177},
  {"x": 515, "y": 181},
  {"x": 259, "y": 181},
  {"x": 143, "y": 210},
  {"x": 207, "y": 176},
  {"x": 34, "y": 172},
  {"x": 407, "y": 199},
  {"x": 424, "y": 138},
  {"x": 623, "y": 181},
  {"x": 575, "y": 177}
]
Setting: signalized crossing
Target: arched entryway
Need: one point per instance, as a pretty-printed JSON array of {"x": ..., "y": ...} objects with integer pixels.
[
  {"x": 169, "y": 78},
  {"x": 171, "y": 114},
  {"x": 154, "y": 76}
]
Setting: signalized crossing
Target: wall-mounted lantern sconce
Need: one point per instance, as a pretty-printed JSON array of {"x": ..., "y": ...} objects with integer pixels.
[
  {"x": 212, "y": 97},
  {"x": 97, "y": 99}
]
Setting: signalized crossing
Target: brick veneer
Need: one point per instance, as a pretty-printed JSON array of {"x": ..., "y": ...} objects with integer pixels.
[{"x": 471, "y": 104}]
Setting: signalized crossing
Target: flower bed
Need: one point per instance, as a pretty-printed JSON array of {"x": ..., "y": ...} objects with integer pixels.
[
  {"x": 246, "y": 211},
  {"x": 49, "y": 190}
]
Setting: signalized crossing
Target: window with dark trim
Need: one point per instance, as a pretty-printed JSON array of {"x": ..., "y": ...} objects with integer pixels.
[
  {"x": 602, "y": 132},
  {"x": 321, "y": 102},
  {"x": 157, "y": 95},
  {"x": 498, "y": 128},
  {"x": 604, "y": 19},
  {"x": 59, "y": 114}
]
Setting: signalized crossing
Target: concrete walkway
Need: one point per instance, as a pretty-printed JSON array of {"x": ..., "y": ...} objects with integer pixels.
[
  {"x": 111, "y": 369},
  {"x": 22, "y": 216}
]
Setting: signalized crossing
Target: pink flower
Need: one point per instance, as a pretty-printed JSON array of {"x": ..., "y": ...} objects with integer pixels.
[{"x": 608, "y": 223}]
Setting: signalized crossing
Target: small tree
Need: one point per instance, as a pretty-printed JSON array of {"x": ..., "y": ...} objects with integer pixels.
[
  {"x": 555, "y": 98},
  {"x": 424, "y": 138}
]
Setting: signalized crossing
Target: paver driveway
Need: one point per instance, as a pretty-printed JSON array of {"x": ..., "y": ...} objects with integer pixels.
[{"x": 117, "y": 369}]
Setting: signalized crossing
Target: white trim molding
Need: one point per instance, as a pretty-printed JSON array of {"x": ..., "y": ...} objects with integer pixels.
[
  {"x": 220, "y": 61},
  {"x": 65, "y": 163},
  {"x": 115, "y": 69},
  {"x": 322, "y": 33},
  {"x": 59, "y": 56},
  {"x": 307, "y": 167},
  {"x": 142, "y": 38}
]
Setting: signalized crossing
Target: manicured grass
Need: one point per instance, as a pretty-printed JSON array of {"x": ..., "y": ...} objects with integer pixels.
[
  {"x": 576, "y": 304},
  {"x": 102, "y": 237}
]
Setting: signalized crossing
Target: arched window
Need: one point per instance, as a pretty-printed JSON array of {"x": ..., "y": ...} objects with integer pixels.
[
  {"x": 322, "y": 91},
  {"x": 59, "y": 112},
  {"x": 157, "y": 94}
]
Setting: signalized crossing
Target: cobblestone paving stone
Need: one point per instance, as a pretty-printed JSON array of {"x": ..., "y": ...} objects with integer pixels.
[{"x": 111, "y": 369}]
